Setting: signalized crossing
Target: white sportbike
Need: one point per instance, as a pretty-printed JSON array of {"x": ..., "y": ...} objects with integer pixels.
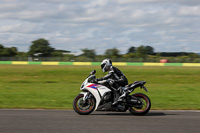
[{"x": 100, "y": 96}]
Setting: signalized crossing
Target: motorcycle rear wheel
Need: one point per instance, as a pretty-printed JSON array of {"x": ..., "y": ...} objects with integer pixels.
[
  {"x": 141, "y": 109},
  {"x": 83, "y": 108}
]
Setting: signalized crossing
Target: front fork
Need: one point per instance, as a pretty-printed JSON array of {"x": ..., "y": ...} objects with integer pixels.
[{"x": 86, "y": 95}]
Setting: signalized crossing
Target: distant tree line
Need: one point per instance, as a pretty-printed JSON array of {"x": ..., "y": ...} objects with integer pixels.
[
  {"x": 8, "y": 52},
  {"x": 42, "y": 48}
]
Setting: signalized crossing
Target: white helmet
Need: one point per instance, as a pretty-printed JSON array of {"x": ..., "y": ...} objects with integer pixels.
[{"x": 106, "y": 64}]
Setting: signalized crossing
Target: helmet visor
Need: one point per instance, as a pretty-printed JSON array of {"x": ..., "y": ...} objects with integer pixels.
[{"x": 102, "y": 66}]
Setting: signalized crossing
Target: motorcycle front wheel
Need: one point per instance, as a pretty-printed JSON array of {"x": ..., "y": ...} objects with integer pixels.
[
  {"x": 83, "y": 108},
  {"x": 143, "y": 108}
]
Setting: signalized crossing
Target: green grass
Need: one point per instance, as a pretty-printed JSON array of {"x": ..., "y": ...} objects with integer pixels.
[{"x": 55, "y": 87}]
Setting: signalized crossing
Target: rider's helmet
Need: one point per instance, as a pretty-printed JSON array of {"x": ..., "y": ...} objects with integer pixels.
[{"x": 106, "y": 64}]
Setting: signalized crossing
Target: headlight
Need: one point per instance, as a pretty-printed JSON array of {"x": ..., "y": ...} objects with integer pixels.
[{"x": 83, "y": 84}]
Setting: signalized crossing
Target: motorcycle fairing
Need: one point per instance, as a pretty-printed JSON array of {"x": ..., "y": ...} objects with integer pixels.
[
  {"x": 97, "y": 91},
  {"x": 94, "y": 86}
]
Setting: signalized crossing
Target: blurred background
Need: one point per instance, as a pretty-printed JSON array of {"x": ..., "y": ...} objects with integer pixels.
[
  {"x": 115, "y": 28},
  {"x": 161, "y": 31}
]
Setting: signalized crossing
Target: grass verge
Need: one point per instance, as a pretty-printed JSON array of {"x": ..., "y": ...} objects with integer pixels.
[{"x": 55, "y": 87}]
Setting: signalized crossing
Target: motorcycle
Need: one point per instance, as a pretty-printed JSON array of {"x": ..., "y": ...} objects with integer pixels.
[{"x": 100, "y": 96}]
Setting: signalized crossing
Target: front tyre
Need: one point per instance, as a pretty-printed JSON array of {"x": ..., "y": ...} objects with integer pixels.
[
  {"x": 83, "y": 108},
  {"x": 143, "y": 108}
]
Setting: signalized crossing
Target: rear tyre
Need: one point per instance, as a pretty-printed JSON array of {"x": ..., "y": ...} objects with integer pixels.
[
  {"x": 143, "y": 108},
  {"x": 83, "y": 108}
]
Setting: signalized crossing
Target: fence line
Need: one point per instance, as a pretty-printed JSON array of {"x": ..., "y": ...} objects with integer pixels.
[
  {"x": 98, "y": 63},
  {"x": 85, "y": 59}
]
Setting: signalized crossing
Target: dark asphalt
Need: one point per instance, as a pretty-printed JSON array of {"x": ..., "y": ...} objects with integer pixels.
[{"x": 67, "y": 121}]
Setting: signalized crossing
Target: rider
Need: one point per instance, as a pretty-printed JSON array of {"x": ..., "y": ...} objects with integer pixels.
[{"x": 117, "y": 78}]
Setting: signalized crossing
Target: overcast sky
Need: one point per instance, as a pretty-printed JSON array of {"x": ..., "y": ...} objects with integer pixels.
[{"x": 166, "y": 25}]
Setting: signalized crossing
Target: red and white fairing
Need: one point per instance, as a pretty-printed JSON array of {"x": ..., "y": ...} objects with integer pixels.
[{"x": 97, "y": 90}]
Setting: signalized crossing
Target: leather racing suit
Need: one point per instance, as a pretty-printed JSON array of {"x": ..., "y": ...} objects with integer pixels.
[{"x": 119, "y": 79}]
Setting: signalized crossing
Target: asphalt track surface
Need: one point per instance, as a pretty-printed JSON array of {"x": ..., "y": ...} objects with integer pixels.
[{"x": 67, "y": 121}]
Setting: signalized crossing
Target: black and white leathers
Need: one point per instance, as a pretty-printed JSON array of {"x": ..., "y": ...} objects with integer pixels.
[{"x": 116, "y": 75}]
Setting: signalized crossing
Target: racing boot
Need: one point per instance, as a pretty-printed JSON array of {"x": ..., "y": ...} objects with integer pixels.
[{"x": 121, "y": 98}]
